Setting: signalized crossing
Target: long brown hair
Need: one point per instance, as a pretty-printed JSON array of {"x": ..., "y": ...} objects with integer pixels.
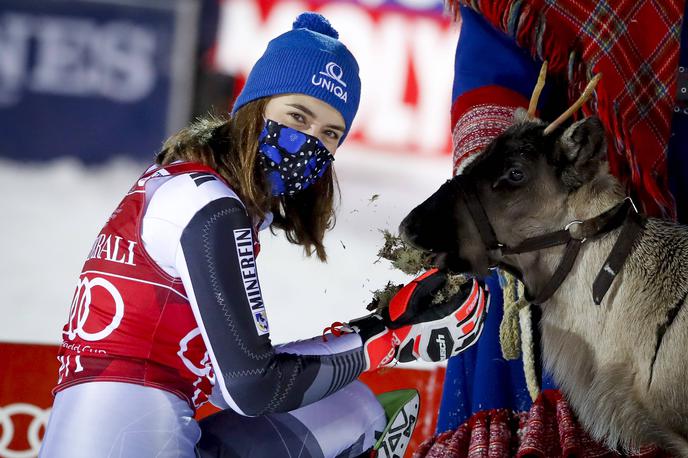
[{"x": 229, "y": 145}]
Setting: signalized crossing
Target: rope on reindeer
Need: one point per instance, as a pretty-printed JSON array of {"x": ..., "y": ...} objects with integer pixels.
[{"x": 516, "y": 331}]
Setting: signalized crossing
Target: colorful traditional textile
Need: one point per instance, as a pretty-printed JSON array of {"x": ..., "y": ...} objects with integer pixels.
[
  {"x": 486, "y": 410},
  {"x": 635, "y": 45},
  {"x": 678, "y": 144},
  {"x": 480, "y": 379},
  {"x": 547, "y": 430},
  {"x": 493, "y": 76},
  {"x": 485, "y": 113}
]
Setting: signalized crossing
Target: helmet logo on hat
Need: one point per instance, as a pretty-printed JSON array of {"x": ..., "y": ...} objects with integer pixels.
[{"x": 330, "y": 77}]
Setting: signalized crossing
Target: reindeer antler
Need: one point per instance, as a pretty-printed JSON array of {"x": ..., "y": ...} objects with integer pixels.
[
  {"x": 573, "y": 108},
  {"x": 532, "y": 107}
]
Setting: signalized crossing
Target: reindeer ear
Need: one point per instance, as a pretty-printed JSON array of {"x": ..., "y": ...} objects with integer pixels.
[
  {"x": 580, "y": 150},
  {"x": 584, "y": 141}
]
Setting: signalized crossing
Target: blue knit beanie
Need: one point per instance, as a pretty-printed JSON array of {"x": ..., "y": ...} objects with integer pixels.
[{"x": 309, "y": 59}]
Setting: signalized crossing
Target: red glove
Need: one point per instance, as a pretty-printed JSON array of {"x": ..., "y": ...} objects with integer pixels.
[
  {"x": 413, "y": 327},
  {"x": 380, "y": 344},
  {"x": 438, "y": 331}
]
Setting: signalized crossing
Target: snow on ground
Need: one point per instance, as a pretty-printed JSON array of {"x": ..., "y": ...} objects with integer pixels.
[{"x": 51, "y": 213}]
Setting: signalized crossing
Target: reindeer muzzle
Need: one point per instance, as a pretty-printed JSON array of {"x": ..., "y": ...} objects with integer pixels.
[{"x": 431, "y": 225}]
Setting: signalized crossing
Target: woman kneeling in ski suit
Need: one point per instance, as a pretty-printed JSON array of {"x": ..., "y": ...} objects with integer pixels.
[{"x": 168, "y": 311}]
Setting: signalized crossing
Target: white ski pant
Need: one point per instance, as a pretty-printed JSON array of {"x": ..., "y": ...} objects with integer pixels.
[{"x": 113, "y": 419}]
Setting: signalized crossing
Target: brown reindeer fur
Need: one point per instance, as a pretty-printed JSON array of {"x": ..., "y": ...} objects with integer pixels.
[{"x": 623, "y": 365}]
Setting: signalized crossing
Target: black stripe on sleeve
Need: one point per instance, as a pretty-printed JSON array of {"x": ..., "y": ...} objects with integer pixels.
[{"x": 199, "y": 177}]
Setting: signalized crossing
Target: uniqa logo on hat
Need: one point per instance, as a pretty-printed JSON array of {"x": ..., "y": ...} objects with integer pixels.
[{"x": 329, "y": 78}]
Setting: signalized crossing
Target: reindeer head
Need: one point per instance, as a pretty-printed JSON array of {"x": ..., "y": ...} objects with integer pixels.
[{"x": 524, "y": 182}]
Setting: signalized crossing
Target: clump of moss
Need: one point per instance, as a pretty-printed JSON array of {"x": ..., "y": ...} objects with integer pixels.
[
  {"x": 453, "y": 286},
  {"x": 411, "y": 261},
  {"x": 382, "y": 297}
]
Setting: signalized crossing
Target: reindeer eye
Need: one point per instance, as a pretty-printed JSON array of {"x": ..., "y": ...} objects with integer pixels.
[{"x": 515, "y": 175}]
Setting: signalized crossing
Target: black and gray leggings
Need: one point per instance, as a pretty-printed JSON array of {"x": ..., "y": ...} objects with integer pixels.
[{"x": 342, "y": 425}]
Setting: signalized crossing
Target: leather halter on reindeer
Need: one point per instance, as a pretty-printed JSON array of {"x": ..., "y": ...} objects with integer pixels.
[
  {"x": 575, "y": 233},
  {"x": 541, "y": 203}
]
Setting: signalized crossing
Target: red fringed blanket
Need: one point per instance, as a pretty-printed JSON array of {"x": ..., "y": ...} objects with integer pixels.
[{"x": 547, "y": 430}]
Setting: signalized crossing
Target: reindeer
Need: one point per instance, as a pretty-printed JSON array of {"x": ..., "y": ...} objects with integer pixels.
[{"x": 540, "y": 203}]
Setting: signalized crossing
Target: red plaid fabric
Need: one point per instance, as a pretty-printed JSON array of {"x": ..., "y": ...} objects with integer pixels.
[
  {"x": 548, "y": 430},
  {"x": 635, "y": 45}
]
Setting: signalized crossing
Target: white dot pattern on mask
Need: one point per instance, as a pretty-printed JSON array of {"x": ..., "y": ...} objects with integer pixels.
[{"x": 299, "y": 174}]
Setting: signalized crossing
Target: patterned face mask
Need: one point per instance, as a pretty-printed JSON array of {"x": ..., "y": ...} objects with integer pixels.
[{"x": 292, "y": 160}]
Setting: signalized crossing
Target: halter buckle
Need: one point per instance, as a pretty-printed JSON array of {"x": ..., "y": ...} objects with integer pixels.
[
  {"x": 628, "y": 198},
  {"x": 498, "y": 248},
  {"x": 568, "y": 228}
]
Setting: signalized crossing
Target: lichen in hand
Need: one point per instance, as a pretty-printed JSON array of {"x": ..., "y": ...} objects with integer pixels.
[
  {"x": 411, "y": 261},
  {"x": 381, "y": 297}
]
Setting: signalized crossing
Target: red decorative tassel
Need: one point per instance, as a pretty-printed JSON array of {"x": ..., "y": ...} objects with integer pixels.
[{"x": 548, "y": 430}]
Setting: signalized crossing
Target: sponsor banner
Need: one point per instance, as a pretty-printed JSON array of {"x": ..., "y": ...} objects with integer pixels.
[
  {"x": 435, "y": 7},
  {"x": 93, "y": 78},
  {"x": 405, "y": 50},
  {"x": 29, "y": 373}
]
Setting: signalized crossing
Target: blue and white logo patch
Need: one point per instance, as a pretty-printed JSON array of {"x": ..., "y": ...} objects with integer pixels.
[
  {"x": 331, "y": 80},
  {"x": 261, "y": 321}
]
